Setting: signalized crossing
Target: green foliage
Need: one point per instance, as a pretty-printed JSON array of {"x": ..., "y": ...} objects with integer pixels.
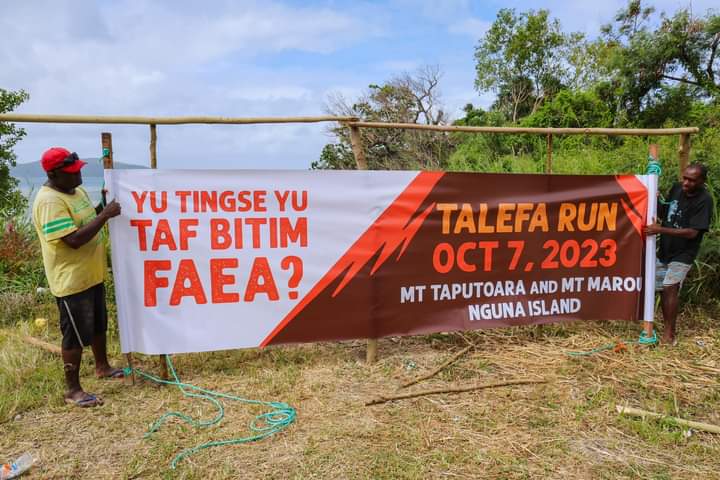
[
  {"x": 11, "y": 201},
  {"x": 522, "y": 58},
  {"x": 21, "y": 269},
  {"x": 680, "y": 50},
  {"x": 571, "y": 109}
]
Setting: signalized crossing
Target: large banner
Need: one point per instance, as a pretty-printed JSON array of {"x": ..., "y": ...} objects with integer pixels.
[{"x": 211, "y": 260}]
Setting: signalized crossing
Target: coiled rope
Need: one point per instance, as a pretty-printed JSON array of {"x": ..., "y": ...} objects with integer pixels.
[{"x": 264, "y": 425}]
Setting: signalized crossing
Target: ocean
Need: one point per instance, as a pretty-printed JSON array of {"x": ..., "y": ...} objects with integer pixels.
[{"x": 30, "y": 186}]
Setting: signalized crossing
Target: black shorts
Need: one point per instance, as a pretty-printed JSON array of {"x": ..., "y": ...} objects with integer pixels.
[{"x": 82, "y": 316}]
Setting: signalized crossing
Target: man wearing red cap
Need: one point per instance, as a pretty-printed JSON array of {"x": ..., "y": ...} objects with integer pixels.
[{"x": 74, "y": 257}]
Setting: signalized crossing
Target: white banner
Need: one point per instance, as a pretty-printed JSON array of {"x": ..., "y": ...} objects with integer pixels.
[{"x": 212, "y": 260}]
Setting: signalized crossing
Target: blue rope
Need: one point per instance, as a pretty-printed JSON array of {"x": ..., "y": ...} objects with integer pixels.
[
  {"x": 263, "y": 425},
  {"x": 653, "y": 167},
  {"x": 643, "y": 340}
]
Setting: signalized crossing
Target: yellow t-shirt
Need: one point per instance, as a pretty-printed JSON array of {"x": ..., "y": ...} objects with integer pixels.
[{"x": 55, "y": 215}]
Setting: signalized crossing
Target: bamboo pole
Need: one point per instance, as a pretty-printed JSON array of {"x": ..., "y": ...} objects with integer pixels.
[
  {"x": 548, "y": 164},
  {"x": 162, "y": 359},
  {"x": 133, "y": 120},
  {"x": 153, "y": 145},
  {"x": 555, "y": 131},
  {"x": 361, "y": 163},
  {"x": 54, "y": 349},
  {"x": 107, "y": 149},
  {"x": 684, "y": 152},
  {"x": 705, "y": 427},
  {"x": 357, "y": 148},
  {"x": 106, "y": 140},
  {"x": 522, "y": 381}
]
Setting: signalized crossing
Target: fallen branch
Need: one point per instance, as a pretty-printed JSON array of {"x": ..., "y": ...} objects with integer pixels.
[
  {"x": 437, "y": 370},
  {"x": 54, "y": 349},
  {"x": 705, "y": 427},
  {"x": 524, "y": 381}
]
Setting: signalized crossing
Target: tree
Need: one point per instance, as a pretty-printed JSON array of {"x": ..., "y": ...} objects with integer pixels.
[
  {"x": 524, "y": 59},
  {"x": 11, "y": 200},
  {"x": 681, "y": 50},
  {"x": 404, "y": 99}
]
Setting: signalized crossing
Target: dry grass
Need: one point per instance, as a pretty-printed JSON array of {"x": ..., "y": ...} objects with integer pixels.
[{"x": 564, "y": 429}]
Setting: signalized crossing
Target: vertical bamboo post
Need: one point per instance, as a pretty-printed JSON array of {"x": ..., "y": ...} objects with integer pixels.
[
  {"x": 107, "y": 149},
  {"x": 684, "y": 152},
  {"x": 361, "y": 163},
  {"x": 357, "y": 148},
  {"x": 153, "y": 145},
  {"x": 548, "y": 163},
  {"x": 153, "y": 164}
]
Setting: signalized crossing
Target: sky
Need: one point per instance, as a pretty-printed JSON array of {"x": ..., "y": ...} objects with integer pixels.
[{"x": 240, "y": 59}]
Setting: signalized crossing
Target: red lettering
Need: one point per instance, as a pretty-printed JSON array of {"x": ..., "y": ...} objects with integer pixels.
[
  {"x": 187, "y": 273},
  {"x": 139, "y": 200},
  {"x": 488, "y": 247},
  {"x": 142, "y": 237},
  {"x": 290, "y": 234},
  {"x": 185, "y": 231},
  {"x": 255, "y": 224},
  {"x": 182, "y": 195},
  {"x": 462, "y": 249},
  {"x": 152, "y": 281},
  {"x": 261, "y": 269},
  {"x": 163, "y": 236},
  {"x": 259, "y": 200},
  {"x": 220, "y": 238},
  {"x": 219, "y": 280},
  {"x": 158, "y": 208},
  {"x": 440, "y": 265}
]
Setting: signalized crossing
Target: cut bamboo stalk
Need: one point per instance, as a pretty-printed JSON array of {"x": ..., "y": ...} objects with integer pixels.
[
  {"x": 134, "y": 120},
  {"x": 371, "y": 352},
  {"x": 357, "y": 148},
  {"x": 48, "y": 347},
  {"x": 106, "y": 141},
  {"x": 153, "y": 146},
  {"x": 525, "y": 381},
  {"x": 361, "y": 164},
  {"x": 555, "y": 131},
  {"x": 705, "y": 427},
  {"x": 548, "y": 164},
  {"x": 684, "y": 153}
]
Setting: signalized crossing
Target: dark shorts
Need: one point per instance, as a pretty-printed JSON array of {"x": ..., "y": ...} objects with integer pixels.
[{"x": 82, "y": 316}]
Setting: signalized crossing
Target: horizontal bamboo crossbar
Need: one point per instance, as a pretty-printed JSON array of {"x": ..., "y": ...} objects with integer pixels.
[
  {"x": 347, "y": 120},
  {"x": 131, "y": 120},
  {"x": 554, "y": 131}
]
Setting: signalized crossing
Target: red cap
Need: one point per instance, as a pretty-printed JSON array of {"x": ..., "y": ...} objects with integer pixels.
[{"x": 57, "y": 156}]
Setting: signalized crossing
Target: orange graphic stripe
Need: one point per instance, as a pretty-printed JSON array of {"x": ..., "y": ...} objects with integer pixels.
[
  {"x": 638, "y": 194},
  {"x": 393, "y": 228}
]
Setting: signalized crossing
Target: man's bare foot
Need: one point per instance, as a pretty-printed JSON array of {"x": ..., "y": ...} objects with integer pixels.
[
  {"x": 109, "y": 372},
  {"x": 82, "y": 399},
  {"x": 668, "y": 339}
]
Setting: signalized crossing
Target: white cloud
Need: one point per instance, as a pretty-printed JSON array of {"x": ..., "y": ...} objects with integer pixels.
[{"x": 133, "y": 57}]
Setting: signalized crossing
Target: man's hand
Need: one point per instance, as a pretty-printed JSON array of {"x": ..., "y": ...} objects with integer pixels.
[
  {"x": 652, "y": 229},
  {"x": 112, "y": 209}
]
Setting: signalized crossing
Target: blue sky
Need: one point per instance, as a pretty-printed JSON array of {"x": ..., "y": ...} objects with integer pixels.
[{"x": 239, "y": 58}]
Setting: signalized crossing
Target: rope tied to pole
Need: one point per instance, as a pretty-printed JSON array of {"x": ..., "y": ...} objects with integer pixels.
[{"x": 263, "y": 425}]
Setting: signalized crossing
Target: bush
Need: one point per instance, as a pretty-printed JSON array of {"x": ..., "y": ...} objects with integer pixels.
[{"x": 21, "y": 269}]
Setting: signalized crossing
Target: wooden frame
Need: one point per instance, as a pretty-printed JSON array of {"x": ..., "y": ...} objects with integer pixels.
[{"x": 354, "y": 125}]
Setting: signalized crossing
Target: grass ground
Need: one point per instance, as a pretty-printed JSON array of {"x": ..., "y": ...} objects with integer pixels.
[{"x": 567, "y": 428}]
